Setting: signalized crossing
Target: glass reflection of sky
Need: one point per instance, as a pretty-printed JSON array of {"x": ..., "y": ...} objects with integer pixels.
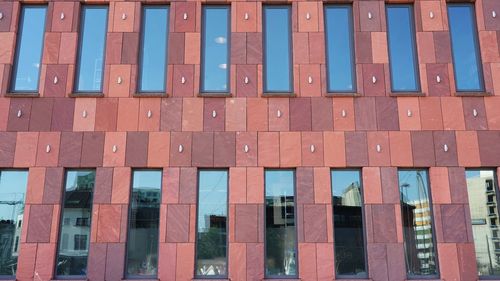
[
  {"x": 402, "y": 54},
  {"x": 154, "y": 49},
  {"x": 340, "y": 49},
  {"x": 92, "y": 41},
  {"x": 277, "y": 67},
  {"x": 413, "y": 185},
  {"x": 147, "y": 180},
  {"x": 72, "y": 178},
  {"x": 29, "y": 50},
  {"x": 342, "y": 181},
  {"x": 12, "y": 190},
  {"x": 279, "y": 183},
  {"x": 215, "y": 56},
  {"x": 212, "y": 196},
  {"x": 468, "y": 75}
]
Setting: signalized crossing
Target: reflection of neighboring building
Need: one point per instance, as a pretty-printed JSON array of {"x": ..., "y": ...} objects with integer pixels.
[
  {"x": 423, "y": 234},
  {"x": 485, "y": 221},
  {"x": 10, "y": 230},
  {"x": 283, "y": 210}
]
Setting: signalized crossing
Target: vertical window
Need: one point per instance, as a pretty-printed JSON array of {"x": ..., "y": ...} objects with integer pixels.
[
  {"x": 281, "y": 236},
  {"x": 465, "y": 48},
  {"x": 340, "y": 48},
  {"x": 27, "y": 62},
  {"x": 211, "y": 234},
  {"x": 483, "y": 203},
  {"x": 12, "y": 193},
  {"x": 416, "y": 213},
  {"x": 90, "y": 64},
  {"x": 153, "y": 54},
  {"x": 277, "y": 47},
  {"x": 215, "y": 50},
  {"x": 143, "y": 224},
  {"x": 350, "y": 258},
  {"x": 72, "y": 260},
  {"x": 402, "y": 48}
]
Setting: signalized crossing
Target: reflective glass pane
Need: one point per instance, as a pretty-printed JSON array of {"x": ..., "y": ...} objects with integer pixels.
[
  {"x": 26, "y": 70},
  {"x": 281, "y": 240},
  {"x": 143, "y": 222},
  {"x": 211, "y": 245},
  {"x": 215, "y": 49},
  {"x": 483, "y": 206},
  {"x": 416, "y": 213},
  {"x": 91, "y": 53},
  {"x": 402, "y": 48},
  {"x": 153, "y": 63},
  {"x": 75, "y": 223},
  {"x": 465, "y": 49},
  {"x": 348, "y": 230},
  {"x": 277, "y": 46},
  {"x": 12, "y": 193},
  {"x": 340, "y": 48}
]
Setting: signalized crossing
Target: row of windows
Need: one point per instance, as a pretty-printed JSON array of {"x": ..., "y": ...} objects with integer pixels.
[
  {"x": 279, "y": 216},
  {"x": 277, "y": 42}
]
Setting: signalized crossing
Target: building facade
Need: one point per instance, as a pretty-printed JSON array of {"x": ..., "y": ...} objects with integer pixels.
[{"x": 249, "y": 140}]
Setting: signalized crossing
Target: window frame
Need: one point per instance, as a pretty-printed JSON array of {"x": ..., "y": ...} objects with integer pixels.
[
  {"x": 434, "y": 238},
  {"x": 15, "y": 61},
  {"x": 290, "y": 90},
  {"x": 76, "y": 78},
  {"x": 216, "y": 277},
  {"x": 359, "y": 171},
  {"x": 477, "y": 46},
  {"x": 351, "y": 46},
  {"x": 204, "y": 91},
  {"x": 414, "y": 48},
  {"x": 297, "y": 273},
  {"x": 126, "y": 276},
  {"x": 141, "y": 46}
]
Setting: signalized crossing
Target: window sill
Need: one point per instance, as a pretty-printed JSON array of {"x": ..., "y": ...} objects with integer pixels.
[
  {"x": 22, "y": 95},
  {"x": 279, "y": 95},
  {"x": 86, "y": 95},
  {"x": 150, "y": 95},
  {"x": 407, "y": 94},
  {"x": 214, "y": 95},
  {"x": 343, "y": 94},
  {"x": 473, "y": 94}
]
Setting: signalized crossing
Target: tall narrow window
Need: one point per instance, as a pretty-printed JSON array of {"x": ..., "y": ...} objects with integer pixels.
[
  {"x": 215, "y": 50},
  {"x": 416, "y": 213},
  {"x": 340, "y": 48},
  {"x": 27, "y": 61},
  {"x": 483, "y": 203},
  {"x": 402, "y": 48},
  {"x": 281, "y": 235},
  {"x": 143, "y": 224},
  {"x": 72, "y": 259},
  {"x": 211, "y": 234},
  {"x": 12, "y": 193},
  {"x": 350, "y": 258},
  {"x": 90, "y": 64},
  {"x": 153, "y": 54},
  {"x": 277, "y": 47},
  {"x": 465, "y": 48}
]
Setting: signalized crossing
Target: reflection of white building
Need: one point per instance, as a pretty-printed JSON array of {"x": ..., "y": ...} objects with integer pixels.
[
  {"x": 17, "y": 235},
  {"x": 74, "y": 238},
  {"x": 283, "y": 211},
  {"x": 485, "y": 222}
]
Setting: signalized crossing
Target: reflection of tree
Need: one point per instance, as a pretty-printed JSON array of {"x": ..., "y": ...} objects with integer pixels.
[{"x": 211, "y": 244}]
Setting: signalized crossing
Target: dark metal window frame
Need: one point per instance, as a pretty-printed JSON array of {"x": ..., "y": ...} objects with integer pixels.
[
  {"x": 288, "y": 91},
  {"x": 363, "y": 214},
  {"x": 203, "y": 51},
  {"x": 17, "y": 50},
  {"x": 413, "y": 48},
  {"x": 80, "y": 45},
  {"x": 351, "y": 46},
  {"x": 141, "y": 45}
]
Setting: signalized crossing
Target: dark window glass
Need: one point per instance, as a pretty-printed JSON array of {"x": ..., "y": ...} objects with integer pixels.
[
  {"x": 416, "y": 213},
  {"x": 483, "y": 203},
  {"x": 143, "y": 223},
  {"x": 12, "y": 193},
  {"x": 80, "y": 242},
  {"x": 91, "y": 51},
  {"x": 465, "y": 47},
  {"x": 277, "y": 47},
  {"x": 340, "y": 48},
  {"x": 281, "y": 239},
  {"x": 27, "y": 62},
  {"x": 215, "y": 50},
  {"x": 350, "y": 258},
  {"x": 402, "y": 48},
  {"x": 72, "y": 260},
  {"x": 153, "y": 57},
  {"x": 211, "y": 245}
]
